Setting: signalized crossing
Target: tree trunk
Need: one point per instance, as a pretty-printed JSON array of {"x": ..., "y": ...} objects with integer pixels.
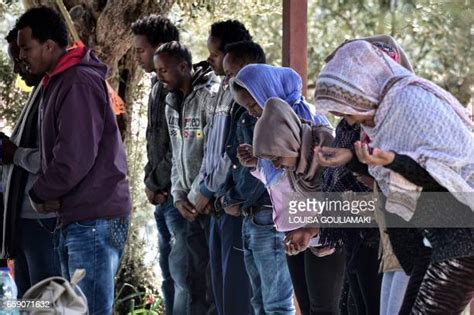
[{"x": 104, "y": 26}]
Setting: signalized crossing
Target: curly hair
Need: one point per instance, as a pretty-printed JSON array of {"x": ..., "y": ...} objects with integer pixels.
[
  {"x": 229, "y": 31},
  {"x": 157, "y": 29},
  {"x": 45, "y": 23},
  {"x": 246, "y": 51},
  {"x": 12, "y": 35},
  {"x": 177, "y": 51}
]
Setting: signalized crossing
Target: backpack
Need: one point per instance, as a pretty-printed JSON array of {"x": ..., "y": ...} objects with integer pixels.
[{"x": 56, "y": 295}]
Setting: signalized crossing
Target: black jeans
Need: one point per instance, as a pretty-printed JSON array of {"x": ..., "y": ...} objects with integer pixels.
[
  {"x": 317, "y": 282},
  {"x": 365, "y": 281},
  {"x": 416, "y": 278},
  {"x": 199, "y": 279},
  {"x": 37, "y": 257}
]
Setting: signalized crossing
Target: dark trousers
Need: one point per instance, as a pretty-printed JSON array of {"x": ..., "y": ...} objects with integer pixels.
[
  {"x": 37, "y": 257},
  {"x": 230, "y": 282},
  {"x": 317, "y": 282},
  {"x": 416, "y": 278},
  {"x": 201, "y": 296},
  {"x": 365, "y": 281}
]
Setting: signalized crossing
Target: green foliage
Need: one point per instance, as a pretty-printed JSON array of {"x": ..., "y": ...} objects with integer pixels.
[
  {"x": 437, "y": 35},
  {"x": 262, "y": 18},
  {"x": 136, "y": 284},
  {"x": 12, "y": 99}
]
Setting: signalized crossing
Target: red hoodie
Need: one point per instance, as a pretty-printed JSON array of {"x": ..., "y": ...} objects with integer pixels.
[{"x": 72, "y": 57}]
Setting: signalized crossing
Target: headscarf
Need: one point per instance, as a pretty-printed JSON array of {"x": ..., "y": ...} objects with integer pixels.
[
  {"x": 387, "y": 44},
  {"x": 340, "y": 179},
  {"x": 295, "y": 139},
  {"x": 413, "y": 117},
  {"x": 265, "y": 81}
]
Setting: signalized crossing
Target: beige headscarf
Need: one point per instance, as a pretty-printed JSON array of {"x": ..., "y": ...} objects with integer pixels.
[
  {"x": 413, "y": 116},
  {"x": 279, "y": 132}
]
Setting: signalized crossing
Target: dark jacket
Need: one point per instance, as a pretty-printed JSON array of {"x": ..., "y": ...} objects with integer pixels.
[
  {"x": 407, "y": 242},
  {"x": 82, "y": 155},
  {"x": 158, "y": 167},
  {"x": 240, "y": 186},
  {"x": 338, "y": 180},
  {"x": 449, "y": 242}
]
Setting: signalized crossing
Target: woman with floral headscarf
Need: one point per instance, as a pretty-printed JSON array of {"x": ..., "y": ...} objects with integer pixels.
[
  {"x": 361, "y": 245},
  {"x": 422, "y": 142},
  {"x": 316, "y": 280}
]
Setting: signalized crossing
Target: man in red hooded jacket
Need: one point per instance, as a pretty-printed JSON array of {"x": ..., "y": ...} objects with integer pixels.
[{"x": 83, "y": 163}]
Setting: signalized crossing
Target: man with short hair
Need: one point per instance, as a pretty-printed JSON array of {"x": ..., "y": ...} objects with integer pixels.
[
  {"x": 30, "y": 236},
  {"x": 230, "y": 282},
  {"x": 83, "y": 163},
  {"x": 192, "y": 93},
  {"x": 149, "y": 33},
  {"x": 238, "y": 55}
]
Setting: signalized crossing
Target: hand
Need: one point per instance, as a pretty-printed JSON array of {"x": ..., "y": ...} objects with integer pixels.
[
  {"x": 297, "y": 241},
  {"x": 245, "y": 155},
  {"x": 332, "y": 157},
  {"x": 161, "y": 197},
  {"x": 202, "y": 204},
  {"x": 365, "y": 180},
  {"x": 208, "y": 209},
  {"x": 9, "y": 149},
  {"x": 324, "y": 135},
  {"x": 233, "y": 210},
  {"x": 46, "y": 207},
  {"x": 151, "y": 196},
  {"x": 378, "y": 156},
  {"x": 187, "y": 210},
  {"x": 322, "y": 251}
]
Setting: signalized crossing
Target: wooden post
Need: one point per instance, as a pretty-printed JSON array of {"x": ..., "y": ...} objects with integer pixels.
[{"x": 295, "y": 37}]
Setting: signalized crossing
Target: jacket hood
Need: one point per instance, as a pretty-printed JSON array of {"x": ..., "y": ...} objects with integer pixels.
[
  {"x": 77, "y": 56},
  {"x": 203, "y": 75}
]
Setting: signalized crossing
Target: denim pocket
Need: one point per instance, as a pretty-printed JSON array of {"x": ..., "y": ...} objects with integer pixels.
[
  {"x": 263, "y": 220},
  {"x": 86, "y": 224},
  {"x": 118, "y": 232}
]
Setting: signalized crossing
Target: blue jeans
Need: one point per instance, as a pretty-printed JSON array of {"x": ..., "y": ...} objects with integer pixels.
[
  {"x": 96, "y": 246},
  {"x": 394, "y": 285},
  {"x": 37, "y": 257},
  {"x": 266, "y": 265},
  {"x": 230, "y": 282},
  {"x": 172, "y": 229}
]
